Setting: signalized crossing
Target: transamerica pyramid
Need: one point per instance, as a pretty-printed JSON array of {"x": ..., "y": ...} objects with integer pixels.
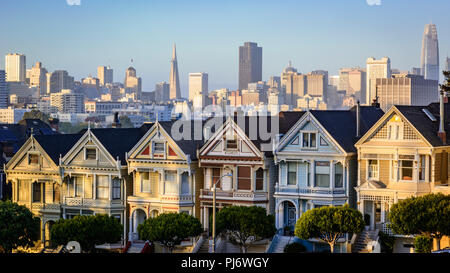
[{"x": 174, "y": 80}]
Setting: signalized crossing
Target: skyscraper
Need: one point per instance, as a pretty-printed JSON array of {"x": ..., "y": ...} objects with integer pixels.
[
  {"x": 447, "y": 64},
  {"x": 198, "y": 84},
  {"x": 59, "y": 80},
  {"x": 174, "y": 80},
  {"x": 133, "y": 84},
  {"x": 38, "y": 78},
  {"x": 4, "y": 94},
  {"x": 376, "y": 69},
  {"x": 429, "y": 61},
  {"x": 105, "y": 75},
  {"x": 250, "y": 64},
  {"x": 15, "y": 67}
]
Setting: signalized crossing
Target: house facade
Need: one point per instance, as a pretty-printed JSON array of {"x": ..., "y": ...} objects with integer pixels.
[
  {"x": 404, "y": 154},
  {"x": 240, "y": 147},
  {"x": 166, "y": 175},
  {"x": 317, "y": 161}
]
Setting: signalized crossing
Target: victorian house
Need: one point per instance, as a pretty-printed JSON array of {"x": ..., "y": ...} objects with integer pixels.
[
  {"x": 404, "y": 154},
  {"x": 241, "y": 147},
  {"x": 35, "y": 174},
  {"x": 317, "y": 160},
  {"x": 165, "y": 171}
]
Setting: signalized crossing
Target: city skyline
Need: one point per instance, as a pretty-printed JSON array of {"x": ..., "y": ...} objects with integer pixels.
[{"x": 149, "y": 42}]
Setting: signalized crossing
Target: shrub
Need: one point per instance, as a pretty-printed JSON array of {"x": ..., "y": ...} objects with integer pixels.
[{"x": 423, "y": 244}]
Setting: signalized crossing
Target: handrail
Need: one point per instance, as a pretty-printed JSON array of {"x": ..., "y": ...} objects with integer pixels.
[
  {"x": 127, "y": 246},
  {"x": 198, "y": 244},
  {"x": 274, "y": 241}
]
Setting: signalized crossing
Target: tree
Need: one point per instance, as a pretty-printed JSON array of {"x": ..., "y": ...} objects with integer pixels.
[
  {"x": 126, "y": 122},
  {"x": 170, "y": 229},
  {"x": 36, "y": 114},
  {"x": 427, "y": 215},
  {"x": 87, "y": 230},
  {"x": 245, "y": 225},
  {"x": 423, "y": 244},
  {"x": 446, "y": 86},
  {"x": 329, "y": 224},
  {"x": 18, "y": 227}
]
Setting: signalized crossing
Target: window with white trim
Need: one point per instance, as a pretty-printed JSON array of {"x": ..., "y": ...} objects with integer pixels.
[
  {"x": 421, "y": 166},
  {"x": 145, "y": 182},
  {"x": 158, "y": 147},
  {"x": 406, "y": 169},
  {"x": 116, "y": 188},
  {"x": 309, "y": 140},
  {"x": 102, "y": 187},
  {"x": 170, "y": 181},
  {"x": 90, "y": 154},
  {"x": 322, "y": 177},
  {"x": 292, "y": 173},
  {"x": 33, "y": 159},
  {"x": 338, "y": 175},
  {"x": 372, "y": 169}
]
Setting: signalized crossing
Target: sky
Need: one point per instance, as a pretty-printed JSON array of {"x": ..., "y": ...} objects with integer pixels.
[{"x": 80, "y": 35}]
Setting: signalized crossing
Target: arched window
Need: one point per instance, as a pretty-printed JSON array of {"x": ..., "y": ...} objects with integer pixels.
[{"x": 259, "y": 180}]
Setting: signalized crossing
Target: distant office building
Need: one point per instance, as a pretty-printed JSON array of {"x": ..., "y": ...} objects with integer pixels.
[
  {"x": 293, "y": 85},
  {"x": 162, "y": 92},
  {"x": 406, "y": 89},
  {"x": 101, "y": 107},
  {"x": 90, "y": 82},
  {"x": 317, "y": 83},
  {"x": 250, "y": 64},
  {"x": 174, "y": 79},
  {"x": 133, "y": 84},
  {"x": 67, "y": 101},
  {"x": 353, "y": 82},
  {"x": 12, "y": 115},
  {"x": 198, "y": 85},
  {"x": 4, "y": 93},
  {"x": 415, "y": 71},
  {"x": 105, "y": 75},
  {"x": 429, "y": 61},
  {"x": 447, "y": 64},
  {"x": 37, "y": 77},
  {"x": 274, "y": 82},
  {"x": 15, "y": 67},
  {"x": 58, "y": 81},
  {"x": 375, "y": 69},
  {"x": 334, "y": 81}
]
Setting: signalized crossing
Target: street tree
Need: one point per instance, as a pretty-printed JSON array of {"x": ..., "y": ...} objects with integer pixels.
[
  {"x": 244, "y": 225},
  {"x": 427, "y": 215},
  {"x": 329, "y": 224},
  {"x": 18, "y": 227},
  {"x": 170, "y": 229}
]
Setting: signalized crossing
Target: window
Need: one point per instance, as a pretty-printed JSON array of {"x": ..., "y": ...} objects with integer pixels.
[
  {"x": 406, "y": 169},
  {"x": 37, "y": 191},
  {"x": 78, "y": 183},
  {"x": 394, "y": 131},
  {"x": 158, "y": 147},
  {"x": 91, "y": 154},
  {"x": 23, "y": 190},
  {"x": 170, "y": 182},
  {"x": 309, "y": 140},
  {"x": 102, "y": 187},
  {"x": 338, "y": 175},
  {"x": 244, "y": 180},
  {"x": 116, "y": 188},
  {"x": 421, "y": 166},
  {"x": 145, "y": 182},
  {"x": 308, "y": 174},
  {"x": 215, "y": 177},
  {"x": 292, "y": 173},
  {"x": 322, "y": 176},
  {"x": 56, "y": 193},
  {"x": 231, "y": 144},
  {"x": 185, "y": 183},
  {"x": 33, "y": 159},
  {"x": 259, "y": 179},
  {"x": 372, "y": 170}
]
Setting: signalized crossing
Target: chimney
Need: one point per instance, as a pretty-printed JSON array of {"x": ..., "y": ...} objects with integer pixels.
[
  {"x": 442, "y": 135},
  {"x": 116, "y": 123},
  {"x": 358, "y": 118}
]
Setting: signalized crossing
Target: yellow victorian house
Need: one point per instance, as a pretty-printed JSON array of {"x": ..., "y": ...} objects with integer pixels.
[
  {"x": 404, "y": 154},
  {"x": 36, "y": 177},
  {"x": 165, "y": 171}
]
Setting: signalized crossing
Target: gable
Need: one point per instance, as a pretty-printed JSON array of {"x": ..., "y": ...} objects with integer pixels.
[
  {"x": 230, "y": 141},
  {"x": 89, "y": 152},
  {"x": 32, "y": 158},
  {"x": 157, "y": 145}
]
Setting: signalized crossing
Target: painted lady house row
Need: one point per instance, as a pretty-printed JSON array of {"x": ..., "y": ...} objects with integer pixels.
[{"x": 287, "y": 164}]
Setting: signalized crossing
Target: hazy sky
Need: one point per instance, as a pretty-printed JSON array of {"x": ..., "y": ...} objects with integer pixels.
[{"x": 79, "y": 35}]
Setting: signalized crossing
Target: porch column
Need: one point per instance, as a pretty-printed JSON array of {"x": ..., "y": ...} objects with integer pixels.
[
  {"x": 383, "y": 212},
  {"x": 427, "y": 168},
  {"x": 43, "y": 232},
  {"x": 110, "y": 187},
  {"x": 281, "y": 215},
  {"x": 130, "y": 227},
  {"x": 94, "y": 189},
  {"x": 331, "y": 175},
  {"x": 206, "y": 217}
]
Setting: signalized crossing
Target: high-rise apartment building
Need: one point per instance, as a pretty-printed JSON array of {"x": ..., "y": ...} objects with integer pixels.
[
  {"x": 353, "y": 82},
  {"x": 447, "y": 64},
  {"x": 406, "y": 89},
  {"x": 37, "y": 77},
  {"x": 133, "y": 84},
  {"x": 105, "y": 75},
  {"x": 15, "y": 67},
  {"x": 174, "y": 79},
  {"x": 67, "y": 101},
  {"x": 317, "y": 84},
  {"x": 429, "y": 61},
  {"x": 162, "y": 92},
  {"x": 198, "y": 85},
  {"x": 375, "y": 69},
  {"x": 58, "y": 81},
  {"x": 250, "y": 64},
  {"x": 4, "y": 93},
  {"x": 293, "y": 85}
]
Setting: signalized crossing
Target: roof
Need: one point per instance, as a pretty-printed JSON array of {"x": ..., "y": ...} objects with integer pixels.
[
  {"x": 341, "y": 124},
  {"x": 56, "y": 145},
  {"x": 427, "y": 128},
  {"x": 119, "y": 141}
]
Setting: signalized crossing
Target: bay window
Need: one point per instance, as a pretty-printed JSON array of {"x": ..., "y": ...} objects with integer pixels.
[
  {"x": 116, "y": 188},
  {"x": 292, "y": 173},
  {"x": 406, "y": 169},
  {"x": 170, "y": 182},
  {"x": 215, "y": 177},
  {"x": 322, "y": 177},
  {"x": 259, "y": 180},
  {"x": 372, "y": 169},
  {"x": 102, "y": 187},
  {"x": 244, "y": 178},
  {"x": 145, "y": 182},
  {"x": 338, "y": 175}
]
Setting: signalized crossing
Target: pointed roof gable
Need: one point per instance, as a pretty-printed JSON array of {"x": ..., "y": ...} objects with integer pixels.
[{"x": 57, "y": 145}]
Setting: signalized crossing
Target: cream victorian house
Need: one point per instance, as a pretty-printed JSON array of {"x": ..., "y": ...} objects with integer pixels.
[
  {"x": 165, "y": 171},
  {"x": 36, "y": 177},
  {"x": 404, "y": 154}
]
